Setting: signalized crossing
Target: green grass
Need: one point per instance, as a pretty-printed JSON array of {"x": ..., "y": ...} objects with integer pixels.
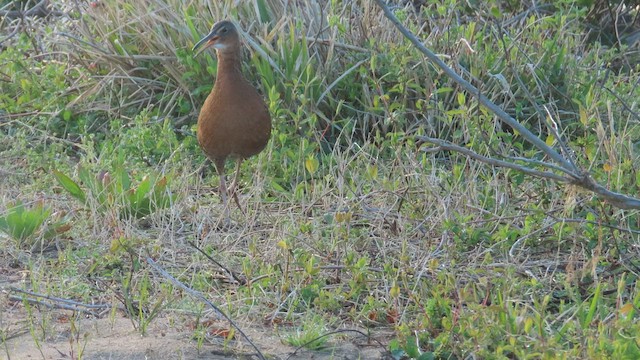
[{"x": 349, "y": 223}]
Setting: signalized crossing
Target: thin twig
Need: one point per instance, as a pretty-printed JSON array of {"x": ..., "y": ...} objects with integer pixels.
[
  {"x": 531, "y": 161},
  {"x": 35, "y": 301},
  {"x": 337, "y": 80},
  {"x": 622, "y": 102},
  {"x": 230, "y": 273},
  {"x": 515, "y": 245},
  {"x": 328, "y": 42},
  {"x": 13, "y": 33},
  {"x": 56, "y": 302},
  {"x": 446, "y": 145},
  {"x": 554, "y": 131},
  {"x": 41, "y": 9}
]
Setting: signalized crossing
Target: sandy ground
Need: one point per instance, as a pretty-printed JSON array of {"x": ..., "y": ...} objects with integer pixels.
[{"x": 114, "y": 337}]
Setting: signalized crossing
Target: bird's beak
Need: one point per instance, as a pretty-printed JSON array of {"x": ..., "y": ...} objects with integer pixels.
[{"x": 205, "y": 42}]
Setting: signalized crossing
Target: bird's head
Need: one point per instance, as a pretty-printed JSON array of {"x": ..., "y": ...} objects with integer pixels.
[{"x": 223, "y": 37}]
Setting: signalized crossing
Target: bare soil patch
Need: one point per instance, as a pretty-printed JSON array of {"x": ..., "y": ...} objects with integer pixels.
[{"x": 114, "y": 337}]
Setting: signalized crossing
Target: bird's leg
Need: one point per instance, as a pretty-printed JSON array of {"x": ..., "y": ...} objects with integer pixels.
[
  {"x": 233, "y": 189},
  {"x": 223, "y": 192},
  {"x": 234, "y": 184}
]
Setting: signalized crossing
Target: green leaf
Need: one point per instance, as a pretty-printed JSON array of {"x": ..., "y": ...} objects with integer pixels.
[
  {"x": 277, "y": 187},
  {"x": 495, "y": 11},
  {"x": 461, "y": 99},
  {"x": 263, "y": 11},
  {"x": 143, "y": 188},
  {"x": 66, "y": 114},
  {"x": 550, "y": 140},
  {"x": 593, "y": 307},
  {"x": 123, "y": 180},
  {"x": 311, "y": 164},
  {"x": 372, "y": 171},
  {"x": 71, "y": 186},
  {"x": 426, "y": 356}
]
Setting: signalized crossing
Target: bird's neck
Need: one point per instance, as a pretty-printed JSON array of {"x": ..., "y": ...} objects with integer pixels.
[{"x": 229, "y": 64}]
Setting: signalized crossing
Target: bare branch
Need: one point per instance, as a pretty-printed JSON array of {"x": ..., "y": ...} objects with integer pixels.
[
  {"x": 616, "y": 199},
  {"x": 446, "y": 145},
  {"x": 56, "y": 302}
]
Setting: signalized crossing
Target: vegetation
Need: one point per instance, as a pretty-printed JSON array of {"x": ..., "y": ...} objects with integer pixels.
[{"x": 350, "y": 221}]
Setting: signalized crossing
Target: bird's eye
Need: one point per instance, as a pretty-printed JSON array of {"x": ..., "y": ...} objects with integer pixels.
[{"x": 224, "y": 30}]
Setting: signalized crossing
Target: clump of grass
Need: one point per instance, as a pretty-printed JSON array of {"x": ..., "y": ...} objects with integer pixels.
[{"x": 309, "y": 335}]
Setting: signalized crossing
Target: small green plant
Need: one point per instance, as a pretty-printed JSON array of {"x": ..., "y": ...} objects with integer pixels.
[
  {"x": 26, "y": 225},
  {"x": 141, "y": 304},
  {"x": 77, "y": 342},
  {"x": 143, "y": 299},
  {"x": 409, "y": 350},
  {"x": 111, "y": 190},
  {"x": 310, "y": 335}
]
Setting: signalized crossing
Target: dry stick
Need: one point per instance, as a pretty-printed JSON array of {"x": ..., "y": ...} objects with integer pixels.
[
  {"x": 446, "y": 145},
  {"x": 13, "y": 33},
  {"x": 516, "y": 244},
  {"x": 337, "y": 80},
  {"x": 231, "y": 274},
  {"x": 328, "y": 42},
  {"x": 61, "y": 300},
  {"x": 56, "y": 302},
  {"x": 201, "y": 297},
  {"x": 622, "y": 102},
  {"x": 574, "y": 175},
  {"x": 35, "y": 301}
]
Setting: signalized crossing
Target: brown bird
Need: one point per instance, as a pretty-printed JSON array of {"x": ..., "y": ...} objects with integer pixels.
[{"x": 234, "y": 121}]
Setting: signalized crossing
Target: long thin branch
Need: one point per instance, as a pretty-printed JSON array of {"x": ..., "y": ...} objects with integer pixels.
[
  {"x": 60, "y": 300},
  {"x": 575, "y": 176},
  {"x": 54, "y": 305},
  {"x": 232, "y": 275},
  {"x": 446, "y": 145}
]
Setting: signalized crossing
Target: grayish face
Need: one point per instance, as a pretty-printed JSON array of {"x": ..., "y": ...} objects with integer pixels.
[{"x": 223, "y": 37}]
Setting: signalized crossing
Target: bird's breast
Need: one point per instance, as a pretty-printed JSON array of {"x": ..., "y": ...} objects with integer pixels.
[{"x": 234, "y": 121}]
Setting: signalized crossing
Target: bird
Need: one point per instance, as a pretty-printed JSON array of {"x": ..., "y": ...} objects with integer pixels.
[{"x": 234, "y": 121}]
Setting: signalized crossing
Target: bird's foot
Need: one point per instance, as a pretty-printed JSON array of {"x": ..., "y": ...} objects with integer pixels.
[
  {"x": 225, "y": 223},
  {"x": 233, "y": 190},
  {"x": 235, "y": 198}
]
